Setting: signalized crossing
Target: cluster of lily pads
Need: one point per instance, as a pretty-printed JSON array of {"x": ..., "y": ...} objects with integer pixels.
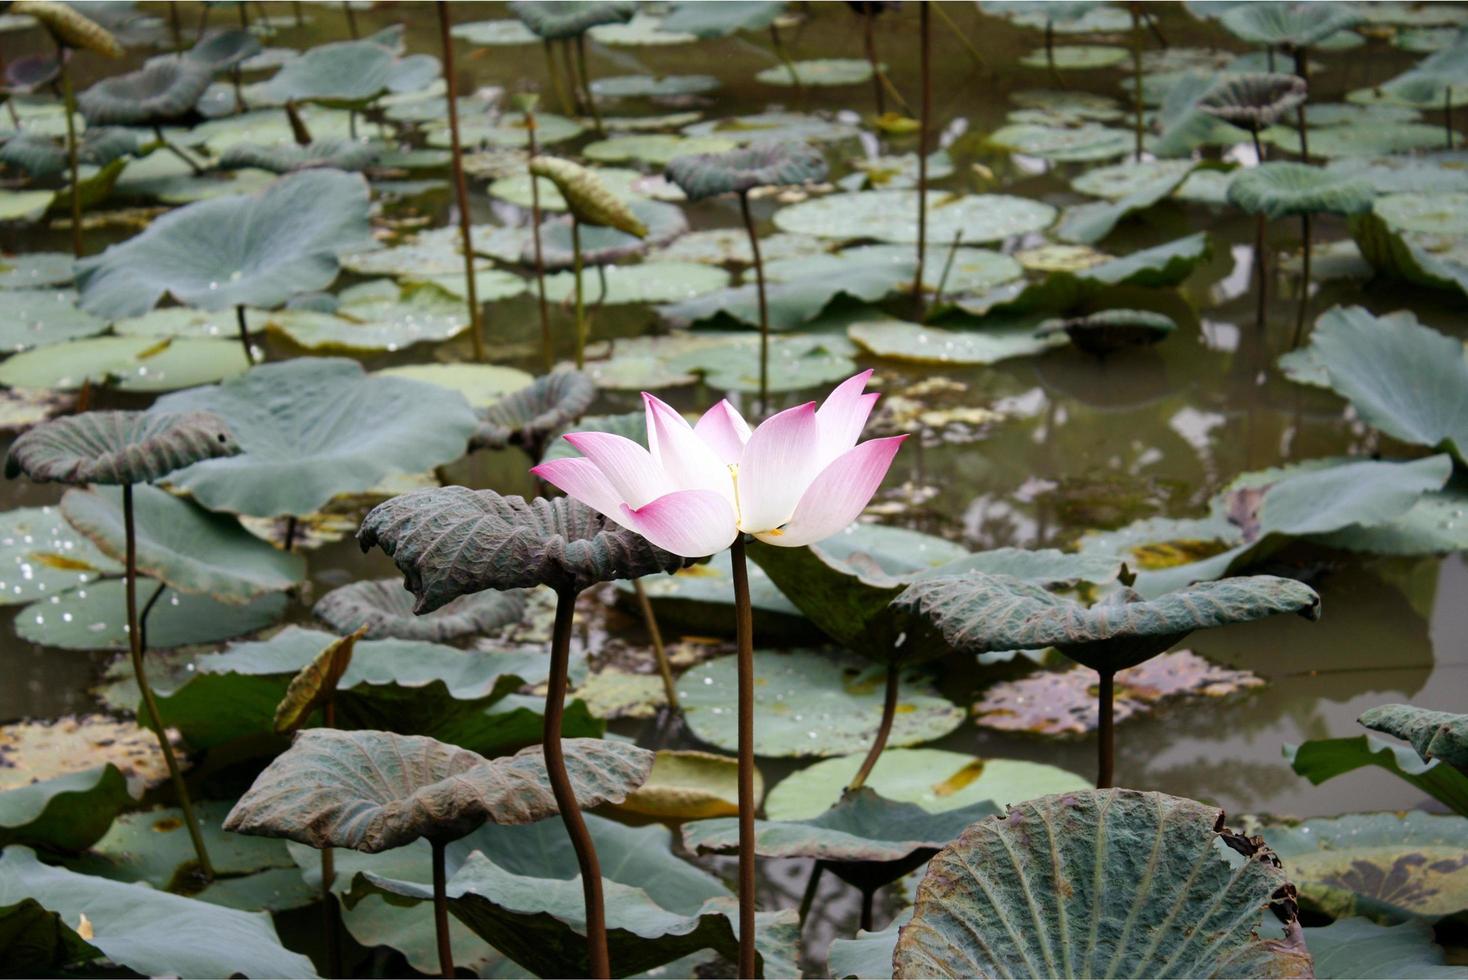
[{"x": 300, "y": 295}]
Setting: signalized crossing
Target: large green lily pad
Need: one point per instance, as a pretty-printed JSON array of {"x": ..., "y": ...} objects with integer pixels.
[
  {"x": 1079, "y": 144},
  {"x": 1359, "y": 948},
  {"x": 66, "y": 812},
  {"x": 818, "y": 72},
  {"x": 41, "y": 554},
  {"x": 648, "y": 282},
  {"x": 1113, "y": 883},
  {"x": 91, "y": 617},
  {"x": 892, "y": 216},
  {"x": 377, "y": 316},
  {"x": 348, "y": 74},
  {"x": 312, "y": 428},
  {"x": 253, "y": 250},
  {"x": 811, "y": 704},
  {"x": 142, "y": 364},
  {"x": 38, "y": 317},
  {"x": 919, "y": 343},
  {"x": 184, "y": 545}
]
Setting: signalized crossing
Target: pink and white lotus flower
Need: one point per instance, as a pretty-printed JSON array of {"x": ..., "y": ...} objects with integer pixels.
[{"x": 797, "y": 478}]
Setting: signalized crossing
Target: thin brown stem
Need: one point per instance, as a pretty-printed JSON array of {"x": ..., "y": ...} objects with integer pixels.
[
  {"x": 244, "y": 329},
  {"x": 744, "y": 630},
  {"x": 547, "y": 343},
  {"x": 1302, "y": 69},
  {"x": 554, "y": 74},
  {"x": 351, "y": 19},
  {"x": 441, "y": 911},
  {"x": 328, "y": 913},
  {"x": 884, "y": 729},
  {"x": 175, "y": 27},
  {"x": 868, "y": 896},
  {"x": 956, "y": 32},
  {"x": 581, "y": 327},
  {"x": 764, "y": 313},
  {"x": 555, "y": 767},
  {"x": 1137, "y": 79},
  {"x": 812, "y": 885},
  {"x": 947, "y": 267},
  {"x": 1258, "y": 146},
  {"x": 869, "y": 21},
  {"x": 177, "y": 151},
  {"x": 292, "y": 525},
  {"x": 150, "y": 705},
  {"x": 461, "y": 186},
  {"x": 1105, "y": 731},
  {"x": 586, "y": 84},
  {"x": 68, "y": 97},
  {"x": 784, "y": 57},
  {"x": 1304, "y": 304},
  {"x": 143, "y": 616},
  {"x": 924, "y": 55},
  {"x": 670, "y": 689}
]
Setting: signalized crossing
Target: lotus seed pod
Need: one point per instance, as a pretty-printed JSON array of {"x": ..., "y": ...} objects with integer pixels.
[
  {"x": 589, "y": 200},
  {"x": 69, "y": 27}
]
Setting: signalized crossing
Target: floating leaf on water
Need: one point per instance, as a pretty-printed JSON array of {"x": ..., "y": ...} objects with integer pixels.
[
  {"x": 134, "y": 363},
  {"x": 730, "y": 246},
  {"x": 91, "y": 617},
  {"x": 934, "y": 345},
  {"x": 41, "y": 554},
  {"x": 1111, "y": 330},
  {"x": 655, "y": 149},
  {"x": 375, "y": 316},
  {"x": 1138, "y": 918},
  {"x": 481, "y": 384},
  {"x": 613, "y": 693},
  {"x": 493, "y": 33},
  {"x": 33, "y": 270},
  {"x": 66, "y": 812},
  {"x": 810, "y": 704},
  {"x": 373, "y": 791},
  {"x": 33, "y": 752},
  {"x": 653, "y": 86},
  {"x": 1087, "y": 142},
  {"x": 1276, "y": 190},
  {"x": 384, "y": 609},
  {"x": 1075, "y": 57},
  {"x": 892, "y": 216},
  {"x": 690, "y": 785},
  {"x": 642, "y": 29},
  {"x": 819, "y": 72},
  {"x": 1064, "y": 702},
  {"x": 646, "y": 282}
]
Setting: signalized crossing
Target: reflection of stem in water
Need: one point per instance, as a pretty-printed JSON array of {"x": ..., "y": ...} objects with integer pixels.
[
  {"x": 565, "y": 794},
  {"x": 175, "y": 27},
  {"x": 785, "y": 60},
  {"x": 1304, "y": 281},
  {"x": 554, "y": 74},
  {"x": 884, "y": 729},
  {"x": 869, "y": 20},
  {"x": 659, "y": 652},
  {"x": 1105, "y": 730},
  {"x": 1137, "y": 78},
  {"x": 744, "y": 631},
  {"x": 351, "y": 18},
  {"x": 1262, "y": 266},
  {"x": 461, "y": 186}
]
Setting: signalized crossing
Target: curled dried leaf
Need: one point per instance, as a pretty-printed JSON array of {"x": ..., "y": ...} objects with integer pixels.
[{"x": 316, "y": 683}]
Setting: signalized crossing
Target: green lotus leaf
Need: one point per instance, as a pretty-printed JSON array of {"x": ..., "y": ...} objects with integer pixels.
[
  {"x": 372, "y": 791},
  {"x": 1111, "y": 330},
  {"x": 1065, "y": 17},
  {"x": 1358, "y": 947},
  {"x": 646, "y": 282},
  {"x": 133, "y": 363},
  {"x": 251, "y": 250},
  {"x": 490, "y": 285},
  {"x": 1389, "y": 867},
  {"x": 505, "y": 132},
  {"x": 1289, "y": 25},
  {"x": 981, "y": 613},
  {"x": 862, "y": 827},
  {"x": 349, "y": 74},
  {"x": 589, "y": 200},
  {"x": 799, "y": 299},
  {"x": 222, "y": 50},
  {"x": 1253, "y": 101},
  {"x": 689, "y": 785},
  {"x": 818, "y": 72},
  {"x": 411, "y": 687},
  {"x": 312, "y": 428},
  {"x": 642, "y": 29},
  {"x": 737, "y": 171},
  {"x": 41, "y": 554},
  {"x": 1277, "y": 190},
  {"x": 1089, "y": 223},
  {"x": 653, "y": 86},
  {"x": 1437, "y": 735},
  {"x": 553, "y": 21},
  {"x": 892, "y": 216},
  {"x": 919, "y": 343},
  {"x": 1429, "y": 213},
  {"x": 158, "y": 93},
  {"x": 385, "y": 608},
  {"x": 453, "y": 541},
  {"x": 377, "y": 315},
  {"x": 35, "y": 269},
  {"x": 1121, "y": 180},
  {"x": 1406, "y": 379},
  {"x": 707, "y": 20},
  {"x": 1409, "y": 257},
  {"x": 1359, "y": 139},
  {"x": 518, "y": 889},
  {"x": 481, "y": 384},
  {"x": 526, "y": 418},
  {"x": 285, "y": 158},
  {"x": 601, "y": 245},
  {"x": 934, "y": 779},
  {"x": 795, "y": 362},
  {"x": 811, "y": 704},
  {"x": 25, "y": 206},
  {"x": 41, "y": 156},
  {"x": 764, "y": 126},
  {"x": 1076, "y": 57},
  {"x": 314, "y": 688},
  {"x": 701, "y": 598},
  {"x": 1162, "y": 895},
  {"x": 39, "y": 317},
  {"x": 118, "y": 447},
  {"x": 70, "y": 27},
  {"x": 90, "y": 617},
  {"x": 183, "y": 545},
  {"x": 1325, "y": 758},
  {"x": 1090, "y": 141},
  {"x": 150, "y": 931},
  {"x": 493, "y": 33},
  {"x": 967, "y": 269},
  {"x": 65, "y": 813},
  {"x": 38, "y": 942},
  {"x": 869, "y": 955},
  {"x": 1431, "y": 526}
]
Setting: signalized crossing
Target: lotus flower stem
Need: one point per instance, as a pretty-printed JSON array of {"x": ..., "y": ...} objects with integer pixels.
[
  {"x": 1262, "y": 266},
  {"x": 291, "y": 526},
  {"x": 1304, "y": 281},
  {"x": 461, "y": 187},
  {"x": 175, "y": 26},
  {"x": 650, "y": 619},
  {"x": 555, "y": 767},
  {"x": 868, "y": 894},
  {"x": 555, "y": 78},
  {"x": 884, "y": 731},
  {"x": 784, "y": 57},
  {"x": 351, "y": 18},
  {"x": 744, "y": 630},
  {"x": 299, "y": 12},
  {"x": 1447, "y": 114},
  {"x": 869, "y": 22},
  {"x": 547, "y": 343},
  {"x": 1050, "y": 52},
  {"x": 586, "y": 83},
  {"x": 1258, "y": 146},
  {"x": 1150, "y": 20},
  {"x": 68, "y": 96},
  {"x": 924, "y": 56},
  {"x": 812, "y": 885},
  {"x": 581, "y": 328},
  {"x": 1302, "y": 69},
  {"x": 176, "y": 151},
  {"x": 947, "y": 266},
  {"x": 1137, "y": 78},
  {"x": 1105, "y": 730},
  {"x": 441, "y": 911},
  {"x": 155, "y": 719},
  {"x": 764, "y": 312},
  {"x": 244, "y": 327}
]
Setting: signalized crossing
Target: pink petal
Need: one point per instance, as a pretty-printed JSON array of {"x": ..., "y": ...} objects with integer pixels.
[
  {"x": 580, "y": 479},
  {"x": 689, "y": 462},
  {"x": 691, "y": 523},
  {"x": 843, "y": 415},
  {"x": 778, "y": 463},
  {"x": 838, "y": 494},
  {"x": 634, "y": 475},
  {"x": 725, "y": 430}
]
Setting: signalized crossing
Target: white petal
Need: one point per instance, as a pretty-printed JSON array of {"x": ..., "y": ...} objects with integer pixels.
[
  {"x": 630, "y": 469},
  {"x": 838, "y": 495},
  {"x": 778, "y": 463},
  {"x": 688, "y": 461},
  {"x": 691, "y": 523},
  {"x": 725, "y": 430},
  {"x": 843, "y": 415},
  {"x": 580, "y": 479}
]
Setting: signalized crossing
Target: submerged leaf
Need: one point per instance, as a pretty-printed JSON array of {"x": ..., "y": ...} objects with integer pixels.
[{"x": 371, "y": 791}]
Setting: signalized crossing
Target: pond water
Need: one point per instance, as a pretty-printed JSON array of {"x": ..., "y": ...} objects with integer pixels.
[{"x": 1075, "y": 445}]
